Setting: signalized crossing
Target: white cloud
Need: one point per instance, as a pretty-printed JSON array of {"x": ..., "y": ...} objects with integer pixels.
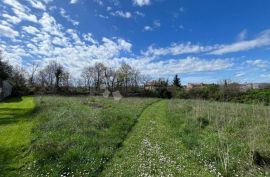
[
  {"x": 37, "y": 4},
  {"x": 49, "y": 24},
  {"x": 141, "y": 2},
  {"x": 258, "y": 63},
  {"x": 139, "y": 13},
  {"x": 148, "y": 28},
  {"x": 99, "y": 2},
  {"x": 109, "y": 8},
  {"x": 68, "y": 18},
  {"x": 242, "y": 35},
  {"x": 103, "y": 16},
  {"x": 48, "y": 40},
  {"x": 265, "y": 76},
  {"x": 177, "y": 49},
  {"x": 25, "y": 16},
  {"x": 21, "y": 11},
  {"x": 8, "y": 32},
  {"x": 157, "y": 23},
  {"x": 121, "y": 14},
  {"x": 15, "y": 4},
  {"x": 263, "y": 39},
  {"x": 12, "y": 19},
  {"x": 169, "y": 67},
  {"x": 47, "y": 1},
  {"x": 30, "y": 29},
  {"x": 89, "y": 37},
  {"x": 240, "y": 74},
  {"x": 73, "y": 1}
]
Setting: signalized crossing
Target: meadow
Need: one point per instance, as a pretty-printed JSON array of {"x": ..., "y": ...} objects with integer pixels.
[{"x": 96, "y": 136}]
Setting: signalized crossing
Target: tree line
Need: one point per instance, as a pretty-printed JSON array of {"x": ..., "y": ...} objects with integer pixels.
[{"x": 55, "y": 78}]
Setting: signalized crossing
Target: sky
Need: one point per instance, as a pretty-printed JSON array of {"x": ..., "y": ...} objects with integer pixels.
[{"x": 201, "y": 40}]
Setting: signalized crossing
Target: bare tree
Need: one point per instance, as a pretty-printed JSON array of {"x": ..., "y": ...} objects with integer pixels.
[
  {"x": 65, "y": 80},
  {"x": 88, "y": 75},
  {"x": 33, "y": 69},
  {"x": 110, "y": 79},
  {"x": 124, "y": 75},
  {"x": 100, "y": 74},
  {"x": 41, "y": 78},
  {"x": 144, "y": 79}
]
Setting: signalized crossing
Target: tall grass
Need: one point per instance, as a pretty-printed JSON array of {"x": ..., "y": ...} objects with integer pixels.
[
  {"x": 76, "y": 136},
  {"x": 226, "y": 144}
]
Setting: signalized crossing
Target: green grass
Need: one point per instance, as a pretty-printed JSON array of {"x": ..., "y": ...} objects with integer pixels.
[
  {"x": 78, "y": 135},
  {"x": 15, "y": 133},
  {"x": 94, "y": 136},
  {"x": 223, "y": 136},
  {"x": 152, "y": 149}
]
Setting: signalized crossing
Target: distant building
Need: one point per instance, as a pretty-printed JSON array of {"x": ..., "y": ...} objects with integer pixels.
[
  {"x": 255, "y": 86},
  {"x": 245, "y": 87},
  {"x": 154, "y": 85},
  {"x": 261, "y": 86},
  {"x": 5, "y": 89},
  {"x": 191, "y": 86}
]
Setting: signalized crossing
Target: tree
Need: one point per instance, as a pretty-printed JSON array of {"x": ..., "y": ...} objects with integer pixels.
[
  {"x": 19, "y": 81},
  {"x": 41, "y": 78},
  {"x": 5, "y": 68},
  {"x": 110, "y": 79},
  {"x": 134, "y": 78},
  {"x": 88, "y": 75},
  {"x": 176, "y": 81},
  {"x": 100, "y": 74},
  {"x": 33, "y": 69},
  {"x": 124, "y": 75},
  {"x": 59, "y": 72},
  {"x": 52, "y": 76}
]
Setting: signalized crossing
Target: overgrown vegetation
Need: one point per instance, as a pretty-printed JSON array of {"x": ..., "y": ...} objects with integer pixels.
[
  {"x": 89, "y": 136},
  {"x": 77, "y": 136},
  {"x": 219, "y": 93},
  {"x": 223, "y": 137}
]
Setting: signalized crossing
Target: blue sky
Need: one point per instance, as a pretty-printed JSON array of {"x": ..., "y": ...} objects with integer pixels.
[{"x": 203, "y": 41}]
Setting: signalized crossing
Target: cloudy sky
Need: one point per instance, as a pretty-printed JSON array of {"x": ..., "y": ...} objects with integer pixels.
[{"x": 203, "y": 41}]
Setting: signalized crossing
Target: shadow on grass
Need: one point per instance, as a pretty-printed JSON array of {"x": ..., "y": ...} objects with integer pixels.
[
  {"x": 5, "y": 156},
  {"x": 13, "y": 115},
  {"x": 12, "y": 100},
  {"x": 9, "y": 156}
]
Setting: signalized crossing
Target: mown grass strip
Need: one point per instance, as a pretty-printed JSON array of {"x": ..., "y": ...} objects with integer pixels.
[
  {"x": 151, "y": 149},
  {"x": 15, "y": 131}
]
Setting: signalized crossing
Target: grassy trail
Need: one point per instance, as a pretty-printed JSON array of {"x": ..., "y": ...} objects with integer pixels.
[
  {"x": 152, "y": 149},
  {"x": 15, "y": 133}
]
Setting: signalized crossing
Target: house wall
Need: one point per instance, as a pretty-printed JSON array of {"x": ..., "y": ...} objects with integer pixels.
[{"x": 6, "y": 90}]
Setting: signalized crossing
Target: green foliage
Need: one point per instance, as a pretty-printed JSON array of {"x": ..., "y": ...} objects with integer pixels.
[
  {"x": 216, "y": 93},
  {"x": 176, "y": 81}
]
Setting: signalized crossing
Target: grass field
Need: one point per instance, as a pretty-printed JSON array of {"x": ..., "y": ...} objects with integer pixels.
[
  {"x": 92, "y": 136},
  {"x": 15, "y": 133}
]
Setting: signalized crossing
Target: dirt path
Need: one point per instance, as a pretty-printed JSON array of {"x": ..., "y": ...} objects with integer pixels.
[{"x": 151, "y": 150}]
